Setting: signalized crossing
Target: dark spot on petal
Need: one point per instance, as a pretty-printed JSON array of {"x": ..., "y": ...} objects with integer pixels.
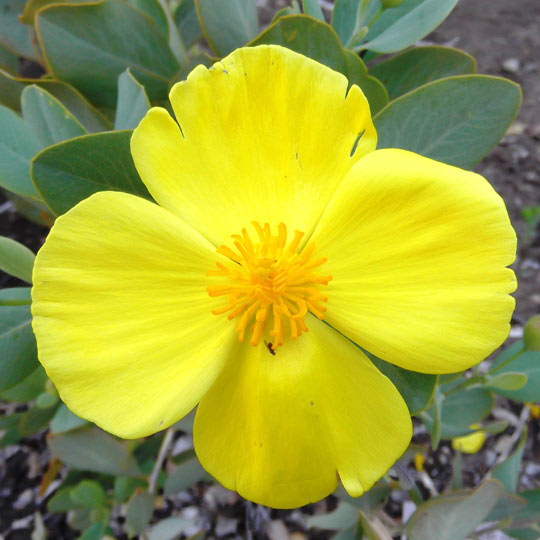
[
  {"x": 355, "y": 144},
  {"x": 311, "y": 403}
]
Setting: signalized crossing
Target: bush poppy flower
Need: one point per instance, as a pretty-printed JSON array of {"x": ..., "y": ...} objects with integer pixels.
[{"x": 274, "y": 211}]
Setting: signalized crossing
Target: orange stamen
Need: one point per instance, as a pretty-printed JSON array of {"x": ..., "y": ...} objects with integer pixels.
[{"x": 268, "y": 279}]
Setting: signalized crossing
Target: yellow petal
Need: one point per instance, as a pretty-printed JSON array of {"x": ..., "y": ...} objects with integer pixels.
[
  {"x": 277, "y": 428},
  {"x": 267, "y": 134},
  {"x": 122, "y": 317},
  {"x": 417, "y": 250},
  {"x": 469, "y": 444}
]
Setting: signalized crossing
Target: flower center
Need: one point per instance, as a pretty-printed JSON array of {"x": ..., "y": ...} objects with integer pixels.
[{"x": 269, "y": 284}]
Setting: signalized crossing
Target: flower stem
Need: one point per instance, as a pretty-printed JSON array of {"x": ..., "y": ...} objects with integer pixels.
[{"x": 163, "y": 450}]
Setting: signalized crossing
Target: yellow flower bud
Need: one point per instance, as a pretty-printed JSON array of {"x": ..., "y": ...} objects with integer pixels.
[
  {"x": 419, "y": 460},
  {"x": 534, "y": 409},
  {"x": 471, "y": 443}
]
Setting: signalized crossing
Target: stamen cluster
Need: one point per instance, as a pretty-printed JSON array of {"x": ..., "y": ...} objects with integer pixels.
[{"x": 269, "y": 280}]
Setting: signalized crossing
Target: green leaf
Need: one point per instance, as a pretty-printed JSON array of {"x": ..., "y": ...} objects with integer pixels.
[
  {"x": 15, "y": 36},
  {"x": 64, "y": 420},
  {"x": 15, "y": 259},
  {"x": 90, "y": 118},
  {"x": 436, "y": 428},
  {"x": 7, "y": 422},
  {"x": 506, "y": 507},
  {"x": 457, "y": 120},
  {"x": 15, "y": 296},
  {"x": 34, "y": 420},
  {"x": 188, "y": 473},
  {"x": 158, "y": 10},
  {"x": 416, "y": 388},
  {"x": 313, "y": 8},
  {"x": 132, "y": 103},
  {"x": 527, "y": 363},
  {"x": 342, "y": 517},
  {"x": 460, "y": 410},
  {"x": 91, "y": 449},
  {"x": 370, "y": 500},
  {"x": 89, "y": 45},
  {"x": 508, "y": 471},
  {"x": 153, "y": 9},
  {"x": 187, "y": 22},
  {"x": 49, "y": 119},
  {"x": 506, "y": 381},
  {"x": 400, "y": 27},
  {"x": 18, "y": 345},
  {"x": 524, "y": 533},
  {"x": 351, "y": 533},
  {"x": 88, "y": 494},
  {"x": 495, "y": 427},
  {"x": 169, "y": 528},
  {"x": 125, "y": 486},
  {"x": 8, "y": 60},
  {"x": 374, "y": 90},
  {"x": 18, "y": 145},
  {"x": 139, "y": 512},
  {"x": 530, "y": 513},
  {"x": 293, "y": 9},
  {"x": 420, "y": 65},
  {"x": 28, "y": 389},
  {"x": 9, "y": 429},
  {"x": 307, "y": 36},
  {"x": 45, "y": 400},
  {"x": 80, "y": 519},
  {"x": 61, "y": 501},
  {"x": 453, "y": 517},
  {"x": 97, "y": 531},
  {"x": 31, "y": 7},
  {"x": 227, "y": 24},
  {"x": 345, "y": 19},
  {"x": 71, "y": 171}
]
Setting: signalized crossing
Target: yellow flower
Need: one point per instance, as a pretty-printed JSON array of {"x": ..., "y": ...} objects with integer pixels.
[
  {"x": 419, "y": 460},
  {"x": 471, "y": 443},
  {"x": 534, "y": 409},
  {"x": 141, "y": 311}
]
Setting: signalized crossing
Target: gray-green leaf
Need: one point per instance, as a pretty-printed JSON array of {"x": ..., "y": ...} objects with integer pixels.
[
  {"x": 453, "y": 517},
  {"x": 227, "y": 24},
  {"x": 15, "y": 259},
  {"x": 91, "y": 449},
  {"x": 132, "y": 103},
  {"x": 49, "y": 119},
  {"x": 457, "y": 120},
  {"x": 71, "y": 171},
  {"x": 18, "y": 144},
  {"x": 17, "y": 342},
  {"x": 89, "y": 45},
  {"x": 400, "y": 27},
  {"x": 420, "y": 65}
]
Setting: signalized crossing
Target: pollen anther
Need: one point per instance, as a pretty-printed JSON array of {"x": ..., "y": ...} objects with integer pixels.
[{"x": 269, "y": 282}]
